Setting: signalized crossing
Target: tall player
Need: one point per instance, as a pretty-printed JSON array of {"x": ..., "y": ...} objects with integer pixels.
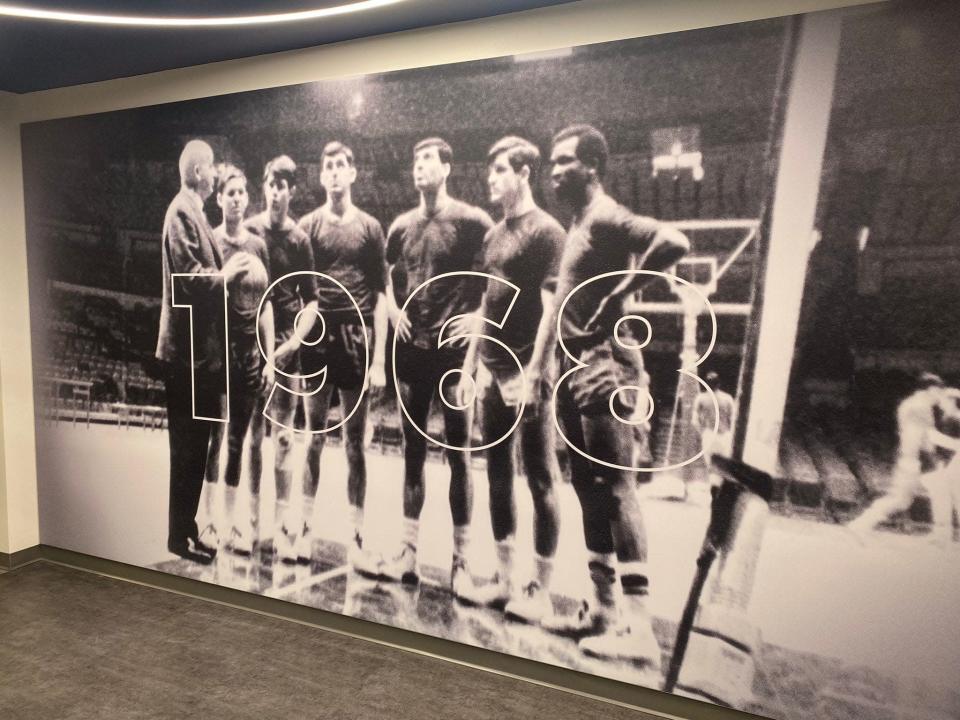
[
  {"x": 524, "y": 249},
  {"x": 441, "y": 235},
  {"x": 246, "y": 361},
  {"x": 289, "y": 250},
  {"x": 348, "y": 246},
  {"x": 604, "y": 236},
  {"x": 917, "y": 463}
]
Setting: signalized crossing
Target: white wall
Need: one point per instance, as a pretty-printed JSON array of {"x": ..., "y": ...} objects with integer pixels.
[{"x": 578, "y": 23}]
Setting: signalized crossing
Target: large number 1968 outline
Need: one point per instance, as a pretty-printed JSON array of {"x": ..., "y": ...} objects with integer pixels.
[{"x": 444, "y": 339}]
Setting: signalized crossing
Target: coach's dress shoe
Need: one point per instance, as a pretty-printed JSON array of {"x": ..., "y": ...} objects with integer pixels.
[{"x": 192, "y": 549}]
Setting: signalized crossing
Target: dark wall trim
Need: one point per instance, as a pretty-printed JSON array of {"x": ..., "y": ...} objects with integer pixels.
[
  {"x": 10, "y": 561},
  {"x": 643, "y": 699}
]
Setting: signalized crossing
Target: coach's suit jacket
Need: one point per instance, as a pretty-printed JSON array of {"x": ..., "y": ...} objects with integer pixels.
[{"x": 189, "y": 247}]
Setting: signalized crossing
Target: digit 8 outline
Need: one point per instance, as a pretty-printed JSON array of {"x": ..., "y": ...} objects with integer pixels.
[
  {"x": 453, "y": 338},
  {"x": 577, "y": 365},
  {"x": 322, "y": 372}
]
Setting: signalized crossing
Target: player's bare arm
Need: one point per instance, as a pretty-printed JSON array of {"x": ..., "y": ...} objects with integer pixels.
[
  {"x": 543, "y": 345},
  {"x": 378, "y": 376},
  {"x": 469, "y": 370},
  {"x": 398, "y": 318},
  {"x": 306, "y": 321},
  {"x": 269, "y": 344}
]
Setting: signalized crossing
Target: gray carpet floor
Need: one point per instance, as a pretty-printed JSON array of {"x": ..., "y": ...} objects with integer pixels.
[{"x": 76, "y": 645}]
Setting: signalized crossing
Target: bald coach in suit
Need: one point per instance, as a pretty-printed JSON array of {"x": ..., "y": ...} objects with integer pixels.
[{"x": 194, "y": 367}]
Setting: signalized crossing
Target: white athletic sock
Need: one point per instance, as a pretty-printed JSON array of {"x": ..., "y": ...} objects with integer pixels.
[
  {"x": 356, "y": 520},
  {"x": 461, "y": 538},
  {"x": 254, "y": 510},
  {"x": 209, "y": 505},
  {"x": 544, "y": 567},
  {"x": 505, "y": 556},
  {"x": 604, "y": 579},
  {"x": 633, "y": 585},
  {"x": 281, "y": 517},
  {"x": 230, "y": 504},
  {"x": 308, "y": 503},
  {"x": 411, "y": 532}
]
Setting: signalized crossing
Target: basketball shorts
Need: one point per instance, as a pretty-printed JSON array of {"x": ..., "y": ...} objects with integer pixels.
[
  {"x": 343, "y": 351},
  {"x": 422, "y": 367},
  {"x": 608, "y": 368},
  {"x": 246, "y": 363}
]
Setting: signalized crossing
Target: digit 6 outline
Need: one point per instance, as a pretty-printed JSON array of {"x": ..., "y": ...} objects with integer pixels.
[
  {"x": 441, "y": 341},
  {"x": 322, "y": 372},
  {"x": 580, "y": 365}
]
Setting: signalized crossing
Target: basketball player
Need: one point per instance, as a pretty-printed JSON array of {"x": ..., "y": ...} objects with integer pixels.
[
  {"x": 712, "y": 441},
  {"x": 604, "y": 236},
  {"x": 193, "y": 372},
  {"x": 246, "y": 380},
  {"x": 348, "y": 245},
  {"x": 289, "y": 250},
  {"x": 441, "y": 235},
  {"x": 524, "y": 249},
  {"x": 917, "y": 461}
]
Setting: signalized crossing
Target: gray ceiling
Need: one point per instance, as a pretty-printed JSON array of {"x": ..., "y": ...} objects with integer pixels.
[{"x": 38, "y": 55}]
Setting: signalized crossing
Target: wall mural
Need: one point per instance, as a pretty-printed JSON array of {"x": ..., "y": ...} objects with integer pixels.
[{"x": 469, "y": 350}]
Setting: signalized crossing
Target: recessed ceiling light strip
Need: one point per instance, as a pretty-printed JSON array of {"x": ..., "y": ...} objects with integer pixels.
[{"x": 154, "y": 21}]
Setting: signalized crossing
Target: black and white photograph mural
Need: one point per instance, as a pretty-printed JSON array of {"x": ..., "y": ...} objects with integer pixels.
[{"x": 538, "y": 353}]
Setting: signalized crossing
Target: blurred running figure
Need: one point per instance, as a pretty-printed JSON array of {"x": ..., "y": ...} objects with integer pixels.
[
  {"x": 441, "y": 235},
  {"x": 918, "y": 465},
  {"x": 523, "y": 249},
  {"x": 348, "y": 246},
  {"x": 604, "y": 236}
]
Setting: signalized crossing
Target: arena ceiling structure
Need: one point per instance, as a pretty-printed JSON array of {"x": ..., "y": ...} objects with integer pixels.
[{"x": 55, "y": 43}]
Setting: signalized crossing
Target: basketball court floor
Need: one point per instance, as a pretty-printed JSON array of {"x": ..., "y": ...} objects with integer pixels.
[{"x": 873, "y": 648}]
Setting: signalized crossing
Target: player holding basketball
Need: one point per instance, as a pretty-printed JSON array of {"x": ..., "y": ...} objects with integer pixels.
[
  {"x": 441, "y": 235},
  {"x": 604, "y": 236},
  {"x": 247, "y": 373},
  {"x": 289, "y": 250},
  {"x": 917, "y": 462},
  {"x": 523, "y": 249},
  {"x": 348, "y": 246}
]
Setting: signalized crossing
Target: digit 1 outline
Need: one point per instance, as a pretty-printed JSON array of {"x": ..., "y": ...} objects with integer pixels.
[
  {"x": 226, "y": 344},
  {"x": 579, "y": 366}
]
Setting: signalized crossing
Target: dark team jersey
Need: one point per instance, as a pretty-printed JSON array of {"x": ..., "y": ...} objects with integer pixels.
[
  {"x": 421, "y": 247},
  {"x": 525, "y": 251},
  {"x": 289, "y": 250},
  {"x": 604, "y": 239},
  {"x": 247, "y": 290},
  {"x": 350, "y": 250}
]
